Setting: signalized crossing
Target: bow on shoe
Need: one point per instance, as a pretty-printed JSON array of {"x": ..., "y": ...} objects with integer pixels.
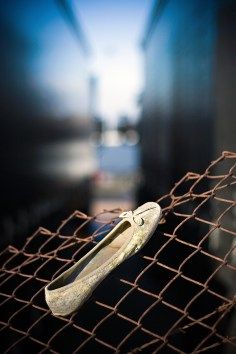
[{"x": 130, "y": 214}]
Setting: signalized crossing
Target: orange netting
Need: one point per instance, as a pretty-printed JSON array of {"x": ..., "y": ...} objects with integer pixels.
[{"x": 176, "y": 296}]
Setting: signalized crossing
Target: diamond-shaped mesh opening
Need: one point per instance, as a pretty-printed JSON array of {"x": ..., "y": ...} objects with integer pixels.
[
  {"x": 106, "y": 331},
  {"x": 68, "y": 339},
  {"x": 135, "y": 304}
]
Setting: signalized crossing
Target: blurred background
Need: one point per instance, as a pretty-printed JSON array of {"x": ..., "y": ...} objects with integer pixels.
[{"x": 106, "y": 104}]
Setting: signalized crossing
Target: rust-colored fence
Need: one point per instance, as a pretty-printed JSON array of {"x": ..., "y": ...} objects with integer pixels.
[{"x": 176, "y": 296}]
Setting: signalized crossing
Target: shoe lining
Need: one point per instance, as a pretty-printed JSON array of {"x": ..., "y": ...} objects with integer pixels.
[
  {"x": 120, "y": 237},
  {"x": 103, "y": 253}
]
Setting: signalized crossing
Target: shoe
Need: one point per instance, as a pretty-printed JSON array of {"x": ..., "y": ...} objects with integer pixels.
[{"x": 72, "y": 288}]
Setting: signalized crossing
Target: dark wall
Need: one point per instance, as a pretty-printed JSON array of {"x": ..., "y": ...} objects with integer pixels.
[
  {"x": 225, "y": 74},
  {"x": 184, "y": 44},
  {"x": 44, "y": 109}
]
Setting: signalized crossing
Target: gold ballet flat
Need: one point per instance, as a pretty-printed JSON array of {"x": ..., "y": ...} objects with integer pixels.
[{"x": 72, "y": 288}]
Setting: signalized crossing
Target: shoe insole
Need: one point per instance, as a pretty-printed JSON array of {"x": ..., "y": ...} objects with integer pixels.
[
  {"x": 103, "y": 253},
  {"x": 122, "y": 235}
]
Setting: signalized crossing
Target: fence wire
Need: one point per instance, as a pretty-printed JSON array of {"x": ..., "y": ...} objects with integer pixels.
[{"x": 176, "y": 296}]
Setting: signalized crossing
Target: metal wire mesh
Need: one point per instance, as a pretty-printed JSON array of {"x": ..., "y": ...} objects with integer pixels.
[{"x": 169, "y": 298}]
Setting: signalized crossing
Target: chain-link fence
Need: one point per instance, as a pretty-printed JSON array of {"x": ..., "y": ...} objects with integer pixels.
[{"x": 176, "y": 296}]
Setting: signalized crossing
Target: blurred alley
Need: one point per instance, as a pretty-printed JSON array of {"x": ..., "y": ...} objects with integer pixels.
[{"x": 113, "y": 115}]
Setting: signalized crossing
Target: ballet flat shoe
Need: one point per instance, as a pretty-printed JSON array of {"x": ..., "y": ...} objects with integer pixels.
[{"x": 72, "y": 288}]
